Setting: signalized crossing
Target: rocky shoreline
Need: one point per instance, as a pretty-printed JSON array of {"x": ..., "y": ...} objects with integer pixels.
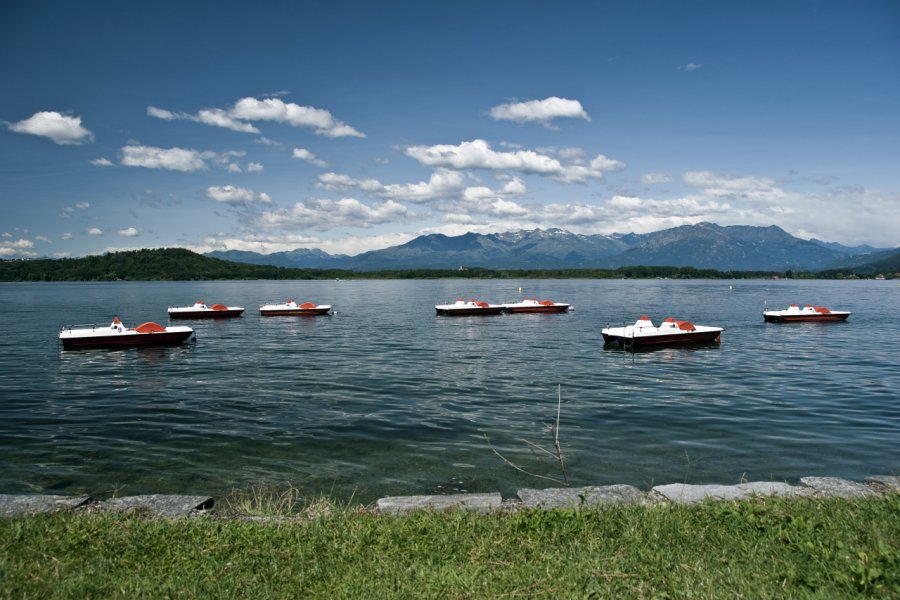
[{"x": 180, "y": 506}]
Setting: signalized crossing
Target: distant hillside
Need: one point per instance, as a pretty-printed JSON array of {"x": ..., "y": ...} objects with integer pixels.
[
  {"x": 703, "y": 246},
  {"x": 301, "y": 258},
  {"x": 885, "y": 262},
  {"x": 743, "y": 248},
  {"x": 160, "y": 264}
]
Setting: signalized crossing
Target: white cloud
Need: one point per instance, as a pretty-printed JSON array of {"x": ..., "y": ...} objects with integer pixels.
[
  {"x": 254, "y": 167},
  {"x": 728, "y": 185},
  {"x": 304, "y": 154},
  {"x": 267, "y": 243},
  {"x": 442, "y": 184},
  {"x": 94, "y": 231},
  {"x": 219, "y": 118},
  {"x": 163, "y": 114},
  {"x": 233, "y": 168},
  {"x": 20, "y": 244},
  {"x": 102, "y": 162},
  {"x": 240, "y": 116},
  {"x": 689, "y": 67},
  {"x": 540, "y": 111},
  {"x": 62, "y": 254},
  {"x": 654, "y": 178},
  {"x": 62, "y": 129},
  {"x": 172, "y": 159},
  {"x": 477, "y": 154},
  {"x": 514, "y": 187},
  {"x": 68, "y": 211},
  {"x": 209, "y": 116},
  {"x": 322, "y": 215},
  {"x": 336, "y": 182},
  {"x": 66, "y": 236},
  {"x": 236, "y": 196},
  {"x": 129, "y": 232}
]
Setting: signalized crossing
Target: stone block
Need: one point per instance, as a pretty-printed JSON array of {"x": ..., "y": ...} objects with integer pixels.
[
  {"x": 13, "y": 505},
  {"x": 692, "y": 494},
  {"x": 836, "y": 487},
  {"x": 885, "y": 482},
  {"x": 160, "y": 505},
  {"x": 579, "y": 497},
  {"x": 401, "y": 505}
]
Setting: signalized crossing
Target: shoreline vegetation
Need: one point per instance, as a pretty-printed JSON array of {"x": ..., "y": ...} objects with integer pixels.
[
  {"x": 278, "y": 546},
  {"x": 178, "y": 264}
]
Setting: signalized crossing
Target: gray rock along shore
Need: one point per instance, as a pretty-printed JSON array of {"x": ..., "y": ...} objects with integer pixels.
[{"x": 175, "y": 506}]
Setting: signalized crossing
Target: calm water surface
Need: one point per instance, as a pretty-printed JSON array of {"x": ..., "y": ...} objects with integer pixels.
[{"x": 386, "y": 398}]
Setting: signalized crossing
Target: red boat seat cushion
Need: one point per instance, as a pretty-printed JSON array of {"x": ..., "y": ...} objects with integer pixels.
[
  {"x": 150, "y": 327},
  {"x": 219, "y": 307},
  {"x": 307, "y": 305}
]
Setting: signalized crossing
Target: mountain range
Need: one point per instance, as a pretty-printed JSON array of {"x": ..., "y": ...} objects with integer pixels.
[{"x": 705, "y": 245}]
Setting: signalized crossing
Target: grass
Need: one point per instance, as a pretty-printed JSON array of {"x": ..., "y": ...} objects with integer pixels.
[{"x": 772, "y": 548}]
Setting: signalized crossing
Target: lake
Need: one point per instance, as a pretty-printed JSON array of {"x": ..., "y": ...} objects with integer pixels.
[{"x": 385, "y": 398}]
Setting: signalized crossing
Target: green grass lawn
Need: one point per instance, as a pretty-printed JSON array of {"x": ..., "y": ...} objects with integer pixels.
[{"x": 771, "y": 548}]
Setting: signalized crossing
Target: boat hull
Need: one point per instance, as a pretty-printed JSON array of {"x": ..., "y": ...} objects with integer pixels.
[
  {"x": 665, "y": 339},
  {"x": 809, "y": 318},
  {"x": 469, "y": 311},
  {"x": 556, "y": 308},
  {"x": 294, "y": 312},
  {"x": 206, "y": 314},
  {"x": 126, "y": 340}
]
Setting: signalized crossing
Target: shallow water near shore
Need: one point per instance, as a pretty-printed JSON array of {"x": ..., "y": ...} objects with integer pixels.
[{"x": 385, "y": 398}]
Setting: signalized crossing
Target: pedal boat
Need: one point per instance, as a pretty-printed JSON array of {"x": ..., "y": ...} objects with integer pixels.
[
  {"x": 671, "y": 332},
  {"x": 292, "y": 309},
  {"x": 533, "y": 305},
  {"x": 795, "y": 314},
  {"x": 201, "y": 311},
  {"x": 466, "y": 308},
  {"x": 116, "y": 335}
]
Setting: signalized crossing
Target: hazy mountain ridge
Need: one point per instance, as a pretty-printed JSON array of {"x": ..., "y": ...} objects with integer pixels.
[{"x": 705, "y": 245}]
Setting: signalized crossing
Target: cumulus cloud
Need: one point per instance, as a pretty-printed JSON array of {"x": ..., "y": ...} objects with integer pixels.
[
  {"x": 171, "y": 159},
  {"x": 477, "y": 154},
  {"x": 129, "y": 232},
  {"x": 102, "y": 162},
  {"x": 729, "y": 185},
  {"x": 442, "y": 184},
  {"x": 322, "y": 215},
  {"x": 654, "y": 178},
  {"x": 165, "y": 115},
  {"x": 304, "y": 154},
  {"x": 236, "y": 196},
  {"x": 220, "y": 118},
  {"x": 62, "y": 129},
  {"x": 268, "y": 242},
  {"x": 66, "y": 236},
  {"x": 245, "y": 111},
  {"x": 514, "y": 187},
  {"x": 540, "y": 111},
  {"x": 445, "y": 192},
  {"x": 68, "y": 211},
  {"x": 254, "y": 167},
  {"x": 94, "y": 231}
]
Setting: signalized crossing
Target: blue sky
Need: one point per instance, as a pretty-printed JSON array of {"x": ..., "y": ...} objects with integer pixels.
[{"x": 352, "y": 126}]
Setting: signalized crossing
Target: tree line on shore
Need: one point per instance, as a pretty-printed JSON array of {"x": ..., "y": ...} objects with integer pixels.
[{"x": 178, "y": 264}]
